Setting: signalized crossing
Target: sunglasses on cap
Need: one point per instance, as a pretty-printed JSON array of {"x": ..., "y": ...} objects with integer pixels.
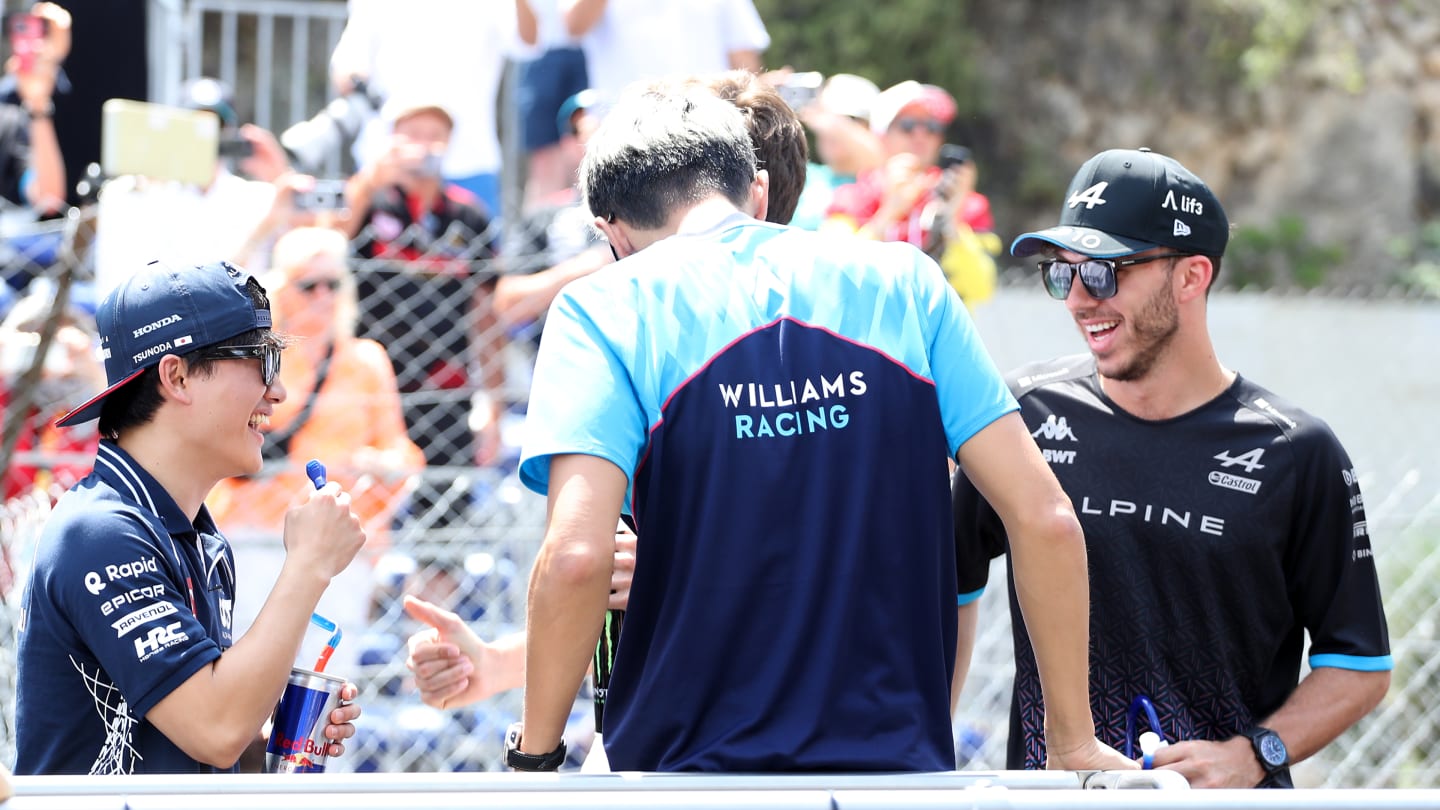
[
  {"x": 267, "y": 354},
  {"x": 930, "y": 125},
  {"x": 1097, "y": 276},
  {"x": 309, "y": 285}
]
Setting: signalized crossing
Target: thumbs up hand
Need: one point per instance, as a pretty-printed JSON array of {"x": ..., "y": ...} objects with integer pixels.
[{"x": 447, "y": 658}]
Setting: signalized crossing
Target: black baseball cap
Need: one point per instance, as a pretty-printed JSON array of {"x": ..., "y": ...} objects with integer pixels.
[
  {"x": 1123, "y": 201},
  {"x": 162, "y": 310}
]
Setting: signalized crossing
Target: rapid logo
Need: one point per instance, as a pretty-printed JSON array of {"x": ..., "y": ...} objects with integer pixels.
[{"x": 93, "y": 583}]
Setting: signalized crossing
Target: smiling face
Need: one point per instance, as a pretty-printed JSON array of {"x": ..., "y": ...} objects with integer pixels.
[
  {"x": 231, "y": 405},
  {"x": 1130, "y": 332}
]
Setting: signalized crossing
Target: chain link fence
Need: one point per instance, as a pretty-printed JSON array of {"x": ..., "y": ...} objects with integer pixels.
[{"x": 466, "y": 534}]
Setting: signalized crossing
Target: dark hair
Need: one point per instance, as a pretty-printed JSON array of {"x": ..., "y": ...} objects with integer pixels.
[
  {"x": 662, "y": 148},
  {"x": 136, "y": 402},
  {"x": 776, "y": 133}
]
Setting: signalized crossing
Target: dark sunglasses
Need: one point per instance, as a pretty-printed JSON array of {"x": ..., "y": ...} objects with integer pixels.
[
  {"x": 268, "y": 355},
  {"x": 1096, "y": 275},
  {"x": 309, "y": 285},
  {"x": 930, "y": 125}
]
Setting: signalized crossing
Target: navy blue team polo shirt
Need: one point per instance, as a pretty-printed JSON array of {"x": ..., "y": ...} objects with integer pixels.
[
  {"x": 127, "y": 599},
  {"x": 783, "y": 403}
]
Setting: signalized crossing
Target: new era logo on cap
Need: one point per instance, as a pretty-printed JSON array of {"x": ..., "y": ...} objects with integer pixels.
[{"x": 1123, "y": 201}]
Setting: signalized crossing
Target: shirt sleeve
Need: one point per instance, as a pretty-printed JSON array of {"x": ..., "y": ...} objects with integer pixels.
[
  {"x": 972, "y": 393},
  {"x": 133, "y": 610},
  {"x": 582, "y": 397},
  {"x": 1330, "y": 564}
]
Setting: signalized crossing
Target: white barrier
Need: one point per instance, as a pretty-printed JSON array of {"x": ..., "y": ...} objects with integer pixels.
[{"x": 1028, "y": 790}]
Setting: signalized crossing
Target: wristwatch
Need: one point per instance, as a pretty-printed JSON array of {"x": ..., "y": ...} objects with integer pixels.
[
  {"x": 1269, "y": 749},
  {"x": 521, "y": 761}
]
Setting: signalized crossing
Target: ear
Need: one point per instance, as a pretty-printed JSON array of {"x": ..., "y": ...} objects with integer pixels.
[
  {"x": 1193, "y": 276},
  {"x": 760, "y": 194},
  {"x": 617, "y": 235},
  {"x": 175, "y": 378}
]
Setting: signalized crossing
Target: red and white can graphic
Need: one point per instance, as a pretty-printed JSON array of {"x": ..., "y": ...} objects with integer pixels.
[{"x": 297, "y": 735}]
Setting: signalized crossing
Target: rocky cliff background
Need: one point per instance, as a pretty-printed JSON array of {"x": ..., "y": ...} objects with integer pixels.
[{"x": 1317, "y": 123}]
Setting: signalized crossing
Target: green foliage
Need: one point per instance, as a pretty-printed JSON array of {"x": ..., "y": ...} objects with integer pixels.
[
  {"x": 1419, "y": 258},
  {"x": 1282, "y": 255},
  {"x": 930, "y": 41}
]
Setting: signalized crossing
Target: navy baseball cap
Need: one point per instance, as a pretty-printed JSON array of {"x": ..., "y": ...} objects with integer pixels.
[
  {"x": 163, "y": 310},
  {"x": 1123, "y": 201}
]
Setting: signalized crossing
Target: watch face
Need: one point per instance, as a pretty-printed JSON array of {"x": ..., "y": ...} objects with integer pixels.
[{"x": 1272, "y": 750}]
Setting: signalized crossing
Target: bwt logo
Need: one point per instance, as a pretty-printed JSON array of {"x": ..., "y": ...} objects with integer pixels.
[{"x": 158, "y": 639}]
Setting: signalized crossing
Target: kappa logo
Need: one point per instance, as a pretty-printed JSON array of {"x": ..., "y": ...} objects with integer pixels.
[
  {"x": 1054, "y": 429},
  {"x": 1181, "y": 229}
]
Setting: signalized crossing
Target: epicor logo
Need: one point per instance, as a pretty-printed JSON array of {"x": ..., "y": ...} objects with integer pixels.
[
  {"x": 1054, "y": 429},
  {"x": 93, "y": 584}
]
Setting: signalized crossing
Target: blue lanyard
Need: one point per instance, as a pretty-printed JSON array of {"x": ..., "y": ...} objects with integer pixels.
[{"x": 1141, "y": 702}]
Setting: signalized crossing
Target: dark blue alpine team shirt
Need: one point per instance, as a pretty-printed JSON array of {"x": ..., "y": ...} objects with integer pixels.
[
  {"x": 784, "y": 403},
  {"x": 126, "y": 600}
]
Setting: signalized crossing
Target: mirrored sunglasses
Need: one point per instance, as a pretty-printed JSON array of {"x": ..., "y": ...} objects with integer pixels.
[{"x": 1097, "y": 276}]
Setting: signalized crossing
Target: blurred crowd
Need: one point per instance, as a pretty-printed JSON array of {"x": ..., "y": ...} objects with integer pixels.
[{"x": 411, "y": 320}]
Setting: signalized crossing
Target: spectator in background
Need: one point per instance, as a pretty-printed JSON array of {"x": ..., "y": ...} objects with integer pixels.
[
  {"x": 426, "y": 298},
  {"x": 840, "y": 118},
  {"x": 452, "y": 50},
  {"x": 630, "y": 40},
  {"x": 144, "y": 219},
  {"x": 32, "y": 172},
  {"x": 342, "y": 407},
  {"x": 70, "y": 374},
  {"x": 913, "y": 198},
  {"x": 546, "y": 80},
  {"x": 571, "y": 245}
]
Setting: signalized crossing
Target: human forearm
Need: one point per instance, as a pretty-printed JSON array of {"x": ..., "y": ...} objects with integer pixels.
[
  {"x": 1326, "y": 702},
  {"x": 569, "y": 590},
  {"x": 568, "y": 594},
  {"x": 46, "y": 192},
  {"x": 582, "y": 15},
  {"x": 968, "y": 619},
  {"x": 1049, "y": 561},
  {"x": 519, "y": 298},
  {"x": 218, "y": 711}
]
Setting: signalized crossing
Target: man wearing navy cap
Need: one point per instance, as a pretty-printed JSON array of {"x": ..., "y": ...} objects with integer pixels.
[
  {"x": 1223, "y": 523},
  {"x": 128, "y": 609}
]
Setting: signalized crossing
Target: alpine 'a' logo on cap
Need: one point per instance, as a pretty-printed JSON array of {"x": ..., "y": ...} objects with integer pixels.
[
  {"x": 1090, "y": 197},
  {"x": 1181, "y": 229}
]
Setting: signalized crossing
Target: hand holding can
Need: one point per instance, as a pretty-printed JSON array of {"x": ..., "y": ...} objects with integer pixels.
[{"x": 297, "y": 735}]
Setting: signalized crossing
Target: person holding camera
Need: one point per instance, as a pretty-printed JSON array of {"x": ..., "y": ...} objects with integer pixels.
[
  {"x": 924, "y": 193},
  {"x": 32, "y": 171}
]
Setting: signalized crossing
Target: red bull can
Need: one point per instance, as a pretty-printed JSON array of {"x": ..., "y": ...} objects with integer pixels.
[{"x": 297, "y": 735}]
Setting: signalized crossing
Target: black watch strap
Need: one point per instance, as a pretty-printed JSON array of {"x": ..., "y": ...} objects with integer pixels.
[
  {"x": 1269, "y": 750},
  {"x": 521, "y": 761}
]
